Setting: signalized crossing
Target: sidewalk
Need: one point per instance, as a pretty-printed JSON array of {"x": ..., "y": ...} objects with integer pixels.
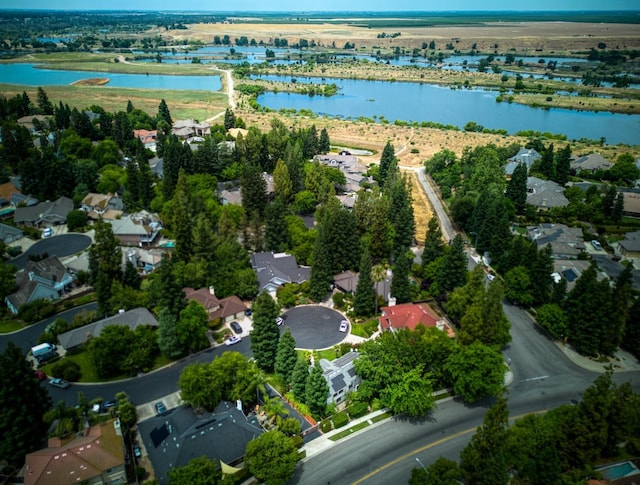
[{"x": 622, "y": 361}]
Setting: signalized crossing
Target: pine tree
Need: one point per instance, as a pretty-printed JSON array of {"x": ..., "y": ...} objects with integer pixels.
[
  {"x": 400, "y": 211},
  {"x": 324, "y": 145},
  {"x": 286, "y": 356},
  {"x": 168, "y": 341},
  {"x": 400, "y": 286},
  {"x": 265, "y": 333},
  {"x": 546, "y": 165},
  {"x": 182, "y": 220},
  {"x": 276, "y": 228},
  {"x": 454, "y": 266},
  {"x": 105, "y": 259},
  {"x": 44, "y": 105},
  {"x": 164, "y": 113},
  {"x": 23, "y": 402},
  {"x": 254, "y": 190},
  {"x": 433, "y": 245},
  {"x": 387, "y": 160},
  {"x": 623, "y": 298},
  {"x": 540, "y": 269},
  {"x": 133, "y": 182},
  {"x": 563, "y": 165},
  {"x": 131, "y": 278},
  {"x": 618, "y": 208},
  {"x": 483, "y": 460},
  {"x": 316, "y": 392},
  {"x": 517, "y": 188},
  {"x": 145, "y": 182},
  {"x": 299, "y": 379},
  {"x": 364, "y": 303},
  {"x": 229, "y": 119},
  {"x": 631, "y": 340},
  {"x": 167, "y": 289}
]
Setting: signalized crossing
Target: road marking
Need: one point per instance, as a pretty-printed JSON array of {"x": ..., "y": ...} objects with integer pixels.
[
  {"x": 539, "y": 378},
  {"x": 430, "y": 445}
]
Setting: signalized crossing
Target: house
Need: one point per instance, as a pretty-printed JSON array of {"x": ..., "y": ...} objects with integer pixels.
[
  {"x": 45, "y": 279},
  {"x": 348, "y": 164},
  {"x": 185, "y": 129},
  {"x": 147, "y": 138},
  {"x": 569, "y": 270},
  {"x": 566, "y": 242},
  {"x": 175, "y": 438},
  {"x": 410, "y": 315},
  {"x": 631, "y": 203},
  {"x": 347, "y": 282},
  {"x": 611, "y": 269},
  {"x": 98, "y": 205},
  {"x": 226, "y": 309},
  {"x": 132, "y": 319},
  {"x": 95, "y": 457},
  {"x": 47, "y": 213},
  {"x": 590, "y": 163},
  {"x": 526, "y": 156},
  {"x": 341, "y": 376},
  {"x": 139, "y": 229},
  {"x": 30, "y": 122},
  {"x": 277, "y": 269},
  {"x": 10, "y": 234},
  {"x": 630, "y": 245},
  {"x": 147, "y": 259},
  {"x": 545, "y": 194}
]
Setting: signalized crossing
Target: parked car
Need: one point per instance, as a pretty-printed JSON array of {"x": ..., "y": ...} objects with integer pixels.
[
  {"x": 61, "y": 383},
  {"x": 137, "y": 451},
  {"x": 160, "y": 408},
  {"x": 279, "y": 321},
  {"x": 40, "y": 375},
  {"x": 596, "y": 245},
  {"x": 108, "y": 405},
  {"x": 344, "y": 326},
  {"x": 235, "y": 326},
  {"x": 47, "y": 232},
  {"x": 234, "y": 339}
]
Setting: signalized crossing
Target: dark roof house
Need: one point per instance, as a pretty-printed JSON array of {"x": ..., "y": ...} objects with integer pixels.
[
  {"x": 590, "y": 163},
  {"x": 526, "y": 156},
  {"x": 224, "y": 308},
  {"x": 132, "y": 319},
  {"x": 51, "y": 213},
  {"x": 175, "y": 438},
  {"x": 277, "y": 269},
  {"x": 545, "y": 194},
  {"x": 566, "y": 242},
  {"x": 10, "y": 234},
  {"x": 630, "y": 245},
  {"x": 341, "y": 376},
  {"x": 41, "y": 280}
]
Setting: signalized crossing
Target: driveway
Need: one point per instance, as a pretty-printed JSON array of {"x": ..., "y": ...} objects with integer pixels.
[
  {"x": 314, "y": 327},
  {"x": 59, "y": 246}
]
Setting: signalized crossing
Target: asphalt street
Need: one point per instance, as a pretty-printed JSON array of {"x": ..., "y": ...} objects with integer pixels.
[
  {"x": 314, "y": 326},
  {"x": 60, "y": 246}
]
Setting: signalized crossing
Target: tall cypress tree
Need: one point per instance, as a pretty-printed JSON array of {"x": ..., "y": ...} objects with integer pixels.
[
  {"x": 164, "y": 113},
  {"x": 229, "y": 119},
  {"x": 286, "y": 356},
  {"x": 364, "y": 303},
  {"x": 105, "y": 259},
  {"x": 316, "y": 391},
  {"x": 517, "y": 188},
  {"x": 433, "y": 245},
  {"x": 387, "y": 161},
  {"x": 563, "y": 165},
  {"x": 299, "y": 379},
  {"x": 265, "y": 333},
  {"x": 454, "y": 266},
  {"x": 23, "y": 402},
  {"x": 167, "y": 290},
  {"x": 622, "y": 296},
  {"x": 546, "y": 166},
  {"x": 400, "y": 287},
  {"x": 324, "y": 145}
]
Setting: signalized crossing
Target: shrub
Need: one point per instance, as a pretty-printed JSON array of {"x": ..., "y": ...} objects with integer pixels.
[
  {"x": 325, "y": 425},
  {"x": 358, "y": 409},
  {"x": 340, "y": 419},
  {"x": 14, "y": 251},
  {"x": 37, "y": 310},
  {"x": 67, "y": 370}
]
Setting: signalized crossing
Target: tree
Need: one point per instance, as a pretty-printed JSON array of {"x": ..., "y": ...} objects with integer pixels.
[
  {"x": 199, "y": 387},
  {"x": 324, "y": 145},
  {"x": 552, "y": 318},
  {"x": 7, "y": 279},
  {"x": 563, "y": 165},
  {"x": 282, "y": 184},
  {"x": 44, "y": 105},
  {"x": 546, "y": 163},
  {"x": 316, "y": 391},
  {"x": 169, "y": 293},
  {"x": 387, "y": 162},
  {"x": 517, "y": 283},
  {"x": 286, "y": 356},
  {"x": 477, "y": 371},
  {"x": 254, "y": 190},
  {"x": 299, "y": 379},
  {"x": 631, "y": 339},
  {"x": 164, "y": 113},
  {"x": 271, "y": 457},
  {"x": 441, "y": 472},
  {"x": 199, "y": 471},
  {"x": 412, "y": 394},
  {"x": 130, "y": 277},
  {"x": 517, "y": 188},
  {"x": 433, "y": 244},
  {"x": 265, "y": 333},
  {"x": 364, "y": 303},
  {"x": 105, "y": 259},
  {"x": 23, "y": 402},
  {"x": 229, "y": 119},
  {"x": 191, "y": 328},
  {"x": 277, "y": 231},
  {"x": 454, "y": 266},
  {"x": 483, "y": 460},
  {"x": 400, "y": 286}
]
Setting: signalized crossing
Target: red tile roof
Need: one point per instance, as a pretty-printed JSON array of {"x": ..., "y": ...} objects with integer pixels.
[{"x": 410, "y": 315}]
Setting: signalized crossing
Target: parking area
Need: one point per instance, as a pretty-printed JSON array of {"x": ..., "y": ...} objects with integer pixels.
[{"x": 314, "y": 326}]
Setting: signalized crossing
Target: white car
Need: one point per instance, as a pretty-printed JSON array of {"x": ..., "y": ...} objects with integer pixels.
[
  {"x": 279, "y": 321},
  {"x": 344, "y": 326},
  {"x": 47, "y": 232},
  {"x": 234, "y": 339}
]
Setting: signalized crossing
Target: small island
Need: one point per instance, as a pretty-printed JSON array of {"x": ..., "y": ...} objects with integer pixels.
[{"x": 94, "y": 81}]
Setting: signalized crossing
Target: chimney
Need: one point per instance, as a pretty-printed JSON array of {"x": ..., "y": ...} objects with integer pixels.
[{"x": 212, "y": 291}]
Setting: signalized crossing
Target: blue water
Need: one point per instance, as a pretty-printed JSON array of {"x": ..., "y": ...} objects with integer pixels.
[
  {"x": 424, "y": 102},
  {"x": 617, "y": 471},
  {"x": 29, "y": 75}
]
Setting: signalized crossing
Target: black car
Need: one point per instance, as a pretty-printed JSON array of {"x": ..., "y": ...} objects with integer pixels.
[
  {"x": 108, "y": 405},
  {"x": 235, "y": 326}
]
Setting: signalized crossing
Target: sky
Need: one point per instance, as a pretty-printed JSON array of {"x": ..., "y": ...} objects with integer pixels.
[{"x": 327, "y": 5}]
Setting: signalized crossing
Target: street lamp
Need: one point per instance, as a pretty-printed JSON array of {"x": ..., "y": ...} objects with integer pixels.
[{"x": 418, "y": 460}]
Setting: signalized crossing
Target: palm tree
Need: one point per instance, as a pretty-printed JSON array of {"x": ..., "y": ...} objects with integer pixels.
[
  {"x": 274, "y": 408},
  {"x": 378, "y": 274}
]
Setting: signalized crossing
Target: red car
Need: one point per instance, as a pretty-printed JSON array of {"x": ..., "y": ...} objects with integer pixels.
[{"x": 40, "y": 375}]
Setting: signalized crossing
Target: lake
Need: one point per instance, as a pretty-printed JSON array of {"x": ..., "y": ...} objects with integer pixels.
[
  {"x": 28, "y": 74},
  {"x": 424, "y": 102}
]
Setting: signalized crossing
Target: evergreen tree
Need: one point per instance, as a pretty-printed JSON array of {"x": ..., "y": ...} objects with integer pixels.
[
  {"x": 286, "y": 356},
  {"x": 540, "y": 269},
  {"x": 299, "y": 379},
  {"x": 387, "y": 161},
  {"x": 364, "y": 302},
  {"x": 229, "y": 119},
  {"x": 454, "y": 266},
  {"x": 484, "y": 321},
  {"x": 433, "y": 245},
  {"x": 23, "y": 402},
  {"x": 131, "y": 278},
  {"x": 517, "y": 188},
  {"x": 254, "y": 190},
  {"x": 122, "y": 130},
  {"x": 546, "y": 163},
  {"x": 265, "y": 333},
  {"x": 276, "y": 228},
  {"x": 132, "y": 184},
  {"x": 400, "y": 211},
  {"x": 168, "y": 341},
  {"x": 316, "y": 391},
  {"x": 563, "y": 165},
  {"x": 167, "y": 289},
  {"x": 130, "y": 107},
  {"x": 324, "y": 145},
  {"x": 164, "y": 113},
  {"x": 282, "y": 184},
  {"x": 618, "y": 208},
  {"x": 182, "y": 220},
  {"x": 400, "y": 286},
  {"x": 622, "y": 299},
  {"x": 145, "y": 182},
  {"x": 44, "y": 105},
  {"x": 631, "y": 340},
  {"x": 172, "y": 162},
  {"x": 483, "y": 460},
  {"x": 105, "y": 259}
]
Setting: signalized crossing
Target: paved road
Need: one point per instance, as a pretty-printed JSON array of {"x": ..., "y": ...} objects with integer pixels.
[
  {"x": 60, "y": 246},
  {"x": 314, "y": 326},
  {"x": 448, "y": 229}
]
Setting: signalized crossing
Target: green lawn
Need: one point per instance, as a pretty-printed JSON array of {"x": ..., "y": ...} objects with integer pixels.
[
  {"x": 349, "y": 431},
  {"x": 7, "y": 326}
]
